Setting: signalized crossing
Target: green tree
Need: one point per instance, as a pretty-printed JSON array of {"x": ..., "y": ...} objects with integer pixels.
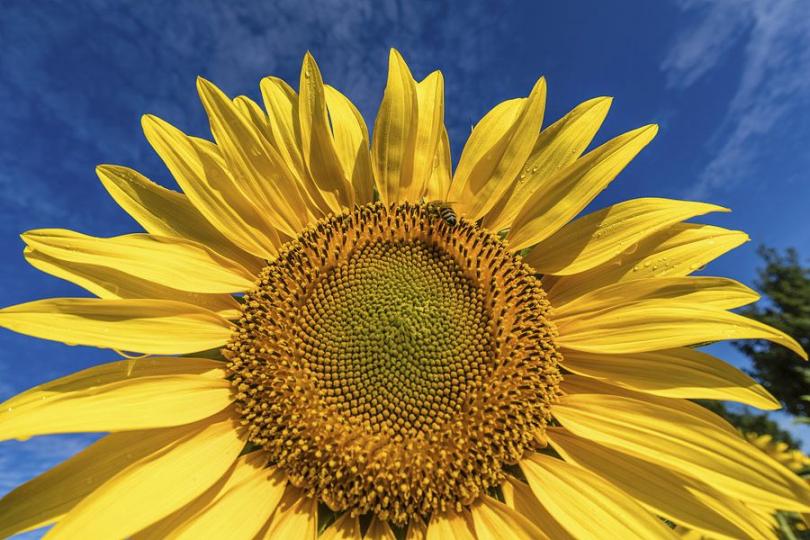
[{"x": 786, "y": 285}]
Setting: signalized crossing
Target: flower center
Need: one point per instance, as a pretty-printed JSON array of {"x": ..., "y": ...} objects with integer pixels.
[
  {"x": 393, "y": 363},
  {"x": 395, "y": 337}
]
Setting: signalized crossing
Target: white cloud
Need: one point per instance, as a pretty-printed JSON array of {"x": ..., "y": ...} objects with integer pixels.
[
  {"x": 61, "y": 98},
  {"x": 774, "y": 37},
  {"x": 22, "y": 461}
]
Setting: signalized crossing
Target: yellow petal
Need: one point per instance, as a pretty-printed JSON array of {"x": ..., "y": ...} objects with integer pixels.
[
  {"x": 577, "y": 384},
  {"x": 281, "y": 103},
  {"x": 417, "y": 529},
  {"x": 215, "y": 170},
  {"x": 686, "y": 443},
  {"x": 645, "y": 326},
  {"x": 558, "y": 146},
  {"x": 598, "y": 237},
  {"x": 494, "y": 520},
  {"x": 439, "y": 181},
  {"x": 676, "y": 251},
  {"x": 345, "y": 527},
  {"x": 659, "y": 489},
  {"x": 450, "y": 524},
  {"x": 519, "y": 497},
  {"x": 172, "y": 262},
  {"x": 113, "y": 284},
  {"x": 587, "y": 505},
  {"x": 495, "y": 154},
  {"x": 147, "y": 326},
  {"x": 738, "y": 513},
  {"x": 429, "y": 131},
  {"x": 716, "y": 292},
  {"x": 203, "y": 177},
  {"x": 296, "y": 516},
  {"x": 676, "y": 373},
  {"x": 49, "y": 496},
  {"x": 243, "y": 504},
  {"x": 317, "y": 144},
  {"x": 394, "y": 135},
  {"x": 571, "y": 189},
  {"x": 164, "y": 212},
  {"x": 257, "y": 168},
  {"x": 251, "y": 110},
  {"x": 488, "y": 138},
  {"x": 164, "y": 527},
  {"x": 379, "y": 530},
  {"x": 119, "y": 396},
  {"x": 351, "y": 143},
  {"x": 155, "y": 485}
]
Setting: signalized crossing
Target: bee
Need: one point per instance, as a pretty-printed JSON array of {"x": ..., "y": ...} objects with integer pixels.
[{"x": 443, "y": 210}]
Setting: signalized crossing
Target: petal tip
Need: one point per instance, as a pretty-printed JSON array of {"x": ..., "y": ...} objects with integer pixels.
[
  {"x": 150, "y": 121},
  {"x": 539, "y": 86},
  {"x": 308, "y": 62},
  {"x": 650, "y": 129},
  {"x": 394, "y": 54}
]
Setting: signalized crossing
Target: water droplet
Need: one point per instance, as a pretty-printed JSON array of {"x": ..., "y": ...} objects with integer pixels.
[{"x": 647, "y": 264}]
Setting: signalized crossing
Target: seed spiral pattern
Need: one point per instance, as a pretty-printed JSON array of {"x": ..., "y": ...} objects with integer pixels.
[
  {"x": 391, "y": 363},
  {"x": 393, "y": 346}
]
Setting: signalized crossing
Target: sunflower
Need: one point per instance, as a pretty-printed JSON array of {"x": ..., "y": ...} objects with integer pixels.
[
  {"x": 790, "y": 525},
  {"x": 792, "y": 458},
  {"x": 339, "y": 337}
]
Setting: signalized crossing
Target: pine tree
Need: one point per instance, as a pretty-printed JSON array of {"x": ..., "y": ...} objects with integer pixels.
[{"x": 786, "y": 285}]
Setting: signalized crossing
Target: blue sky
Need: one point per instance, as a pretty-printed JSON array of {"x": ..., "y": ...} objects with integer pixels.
[{"x": 728, "y": 82}]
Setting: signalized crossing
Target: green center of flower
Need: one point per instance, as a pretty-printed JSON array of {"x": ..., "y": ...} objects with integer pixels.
[
  {"x": 396, "y": 337},
  {"x": 393, "y": 363}
]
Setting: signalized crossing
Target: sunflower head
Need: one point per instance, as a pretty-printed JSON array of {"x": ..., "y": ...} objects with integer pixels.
[{"x": 392, "y": 363}]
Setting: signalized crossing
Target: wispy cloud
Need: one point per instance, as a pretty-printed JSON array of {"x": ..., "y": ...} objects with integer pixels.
[
  {"x": 774, "y": 37},
  {"x": 64, "y": 69},
  {"x": 21, "y": 461}
]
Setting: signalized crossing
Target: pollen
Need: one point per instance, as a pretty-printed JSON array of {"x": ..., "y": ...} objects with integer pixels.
[{"x": 392, "y": 363}]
